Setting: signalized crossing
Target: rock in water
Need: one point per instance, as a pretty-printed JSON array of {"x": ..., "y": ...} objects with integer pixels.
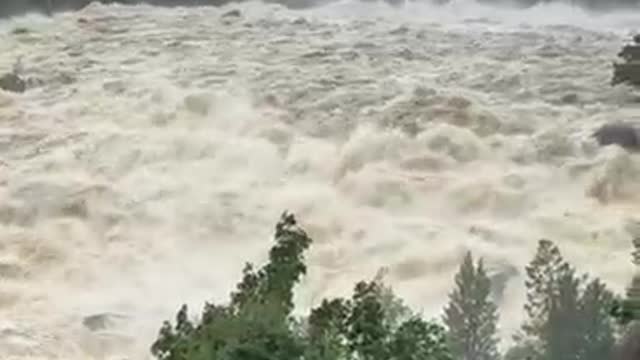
[
  {"x": 12, "y": 82},
  {"x": 622, "y": 134},
  {"x": 102, "y": 321},
  {"x": 232, "y": 13}
]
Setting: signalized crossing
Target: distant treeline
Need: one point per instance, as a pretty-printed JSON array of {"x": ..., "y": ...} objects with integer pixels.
[{"x": 18, "y": 7}]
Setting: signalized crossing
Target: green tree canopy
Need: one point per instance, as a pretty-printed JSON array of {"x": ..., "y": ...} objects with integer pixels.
[
  {"x": 567, "y": 314},
  {"x": 471, "y": 317},
  {"x": 257, "y": 323}
]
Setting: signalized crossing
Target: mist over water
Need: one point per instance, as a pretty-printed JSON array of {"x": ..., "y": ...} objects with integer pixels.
[{"x": 158, "y": 147}]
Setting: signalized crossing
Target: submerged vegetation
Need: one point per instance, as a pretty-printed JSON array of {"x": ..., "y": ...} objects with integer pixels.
[{"x": 568, "y": 316}]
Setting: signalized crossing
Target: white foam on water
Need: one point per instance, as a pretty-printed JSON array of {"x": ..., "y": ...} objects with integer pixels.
[{"x": 160, "y": 146}]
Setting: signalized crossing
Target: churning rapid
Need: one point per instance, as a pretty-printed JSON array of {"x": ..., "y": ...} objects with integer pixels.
[{"x": 158, "y": 147}]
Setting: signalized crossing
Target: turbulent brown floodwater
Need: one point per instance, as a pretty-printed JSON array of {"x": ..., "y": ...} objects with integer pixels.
[{"x": 158, "y": 147}]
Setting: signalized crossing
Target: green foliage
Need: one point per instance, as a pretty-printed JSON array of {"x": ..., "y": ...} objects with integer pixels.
[
  {"x": 567, "y": 314},
  {"x": 417, "y": 339},
  {"x": 327, "y": 330},
  {"x": 597, "y": 328},
  {"x": 373, "y": 325},
  {"x": 174, "y": 343},
  {"x": 368, "y": 330},
  {"x": 524, "y": 349},
  {"x": 471, "y": 316},
  {"x": 275, "y": 281},
  {"x": 560, "y": 331},
  {"x": 257, "y": 323},
  {"x": 628, "y": 310},
  {"x": 541, "y": 283}
]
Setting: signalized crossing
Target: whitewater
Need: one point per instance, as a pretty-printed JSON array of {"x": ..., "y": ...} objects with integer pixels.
[{"x": 157, "y": 147}]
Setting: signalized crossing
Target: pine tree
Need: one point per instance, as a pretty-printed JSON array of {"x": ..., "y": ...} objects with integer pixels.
[
  {"x": 560, "y": 339},
  {"x": 541, "y": 283},
  {"x": 628, "y": 310},
  {"x": 633, "y": 291},
  {"x": 566, "y": 319},
  {"x": 598, "y": 330},
  {"x": 633, "y": 299},
  {"x": 471, "y": 317}
]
